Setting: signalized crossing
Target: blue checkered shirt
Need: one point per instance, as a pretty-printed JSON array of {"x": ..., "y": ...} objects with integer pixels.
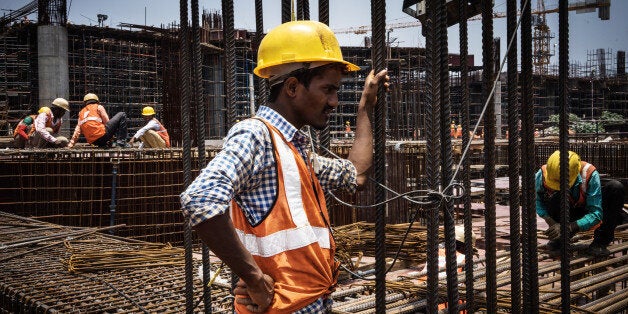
[{"x": 245, "y": 171}]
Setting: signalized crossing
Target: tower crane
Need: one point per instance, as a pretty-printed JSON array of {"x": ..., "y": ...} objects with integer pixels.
[{"x": 542, "y": 35}]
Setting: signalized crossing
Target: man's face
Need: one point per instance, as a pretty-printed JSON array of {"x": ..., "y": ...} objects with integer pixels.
[{"x": 315, "y": 104}]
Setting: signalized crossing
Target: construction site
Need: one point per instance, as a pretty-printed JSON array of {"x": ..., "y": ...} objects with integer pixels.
[{"x": 458, "y": 139}]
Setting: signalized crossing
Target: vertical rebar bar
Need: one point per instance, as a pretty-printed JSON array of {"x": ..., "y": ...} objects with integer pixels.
[
  {"x": 112, "y": 207},
  {"x": 378, "y": 22},
  {"x": 432, "y": 132},
  {"x": 197, "y": 82},
  {"x": 446, "y": 156},
  {"x": 187, "y": 146},
  {"x": 489, "y": 155},
  {"x": 286, "y": 12},
  {"x": 230, "y": 73},
  {"x": 262, "y": 86},
  {"x": 528, "y": 217},
  {"x": 466, "y": 174},
  {"x": 563, "y": 105},
  {"x": 323, "y": 11},
  {"x": 513, "y": 158}
]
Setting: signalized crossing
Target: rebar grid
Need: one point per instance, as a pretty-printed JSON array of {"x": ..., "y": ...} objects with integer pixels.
[{"x": 33, "y": 281}]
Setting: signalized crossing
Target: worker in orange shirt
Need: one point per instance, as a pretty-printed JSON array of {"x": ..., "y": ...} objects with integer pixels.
[{"x": 94, "y": 123}]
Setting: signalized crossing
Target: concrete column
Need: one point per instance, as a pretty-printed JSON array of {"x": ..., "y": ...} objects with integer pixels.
[{"x": 52, "y": 51}]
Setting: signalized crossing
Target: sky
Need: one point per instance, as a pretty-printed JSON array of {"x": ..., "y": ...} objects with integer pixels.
[{"x": 587, "y": 31}]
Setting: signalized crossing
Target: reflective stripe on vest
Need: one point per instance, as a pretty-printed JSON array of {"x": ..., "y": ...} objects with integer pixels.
[
  {"x": 304, "y": 234},
  {"x": 90, "y": 123}
]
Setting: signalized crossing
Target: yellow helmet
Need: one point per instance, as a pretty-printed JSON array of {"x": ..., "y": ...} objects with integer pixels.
[
  {"x": 295, "y": 43},
  {"x": 90, "y": 96},
  {"x": 553, "y": 170},
  {"x": 61, "y": 103},
  {"x": 148, "y": 111},
  {"x": 43, "y": 109}
]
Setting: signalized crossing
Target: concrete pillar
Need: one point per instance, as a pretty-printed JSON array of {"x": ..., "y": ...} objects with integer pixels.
[{"x": 52, "y": 51}]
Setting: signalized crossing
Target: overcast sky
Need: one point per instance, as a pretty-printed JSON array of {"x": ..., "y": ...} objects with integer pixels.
[{"x": 587, "y": 31}]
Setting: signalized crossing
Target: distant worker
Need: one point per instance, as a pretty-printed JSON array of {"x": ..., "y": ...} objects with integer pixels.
[
  {"x": 452, "y": 128},
  {"x": 591, "y": 205},
  {"x": 22, "y": 133},
  {"x": 153, "y": 134},
  {"x": 348, "y": 131},
  {"x": 460, "y": 259},
  {"x": 259, "y": 205},
  {"x": 458, "y": 131},
  {"x": 94, "y": 123},
  {"x": 48, "y": 122}
]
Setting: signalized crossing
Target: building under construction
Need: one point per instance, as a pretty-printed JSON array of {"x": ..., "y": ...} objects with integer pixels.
[{"x": 76, "y": 217}]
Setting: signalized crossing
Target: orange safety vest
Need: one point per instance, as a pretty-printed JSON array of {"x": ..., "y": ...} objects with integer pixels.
[
  {"x": 586, "y": 169},
  {"x": 293, "y": 244},
  {"x": 163, "y": 133},
  {"x": 90, "y": 123}
]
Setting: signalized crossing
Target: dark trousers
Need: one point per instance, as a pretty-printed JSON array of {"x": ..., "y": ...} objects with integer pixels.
[
  {"x": 116, "y": 126},
  {"x": 612, "y": 203}
]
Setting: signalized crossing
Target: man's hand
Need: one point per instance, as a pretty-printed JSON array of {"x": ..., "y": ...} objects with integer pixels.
[
  {"x": 71, "y": 144},
  {"x": 371, "y": 85},
  {"x": 553, "y": 232},
  {"x": 256, "y": 297},
  {"x": 132, "y": 140}
]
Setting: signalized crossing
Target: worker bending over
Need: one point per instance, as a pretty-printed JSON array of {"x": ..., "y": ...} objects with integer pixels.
[
  {"x": 592, "y": 206},
  {"x": 94, "y": 123},
  {"x": 153, "y": 134},
  {"x": 48, "y": 123},
  {"x": 259, "y": 204}
]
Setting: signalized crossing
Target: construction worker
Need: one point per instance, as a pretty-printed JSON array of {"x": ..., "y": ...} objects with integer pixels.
[
  {"x": 48, "y": 122},
  {"x": 153, "y": 134},
  {"x": 460, "y": 259},
  {"x": 348, "y": 128},
  {"x": 22, "y": 132},
  {"x": 94, "y": 123},
  {"x": 592, "y": 206},
  {"x": 259, "y": 204}
]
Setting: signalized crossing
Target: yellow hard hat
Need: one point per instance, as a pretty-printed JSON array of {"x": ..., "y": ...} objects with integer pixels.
[
  {"x": 61, "y": 103},
  {"x": 43, "y": 109},
  {"x": 148, "y": 111},
  {"x": 553, "y": 169},
  {"x": 459, "y": 229},
  {"x": 90, "y": 96},
  {"x": 298, "y": 42}
]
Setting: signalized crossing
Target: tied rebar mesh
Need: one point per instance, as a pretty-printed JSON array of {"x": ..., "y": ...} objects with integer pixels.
[
  {"x": 230, "y": 73},
  {"x": 184, "y": 71},
  {"x": 489, "y": 155},
  {"x": 528, "y": 218},
  {"x": 466, "y": 174},
  {"x": 432, "y": 132},
  {"x": 262, "y": 84},
  {"x": 513, "y": 159},
  {"x": 563, "y": 105},
  {"x": 286, "y": 11},
  {"x": 52, "y": 12},
  {"x": 378, "y": 21},
  {"x": 446, "y": 153}
]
